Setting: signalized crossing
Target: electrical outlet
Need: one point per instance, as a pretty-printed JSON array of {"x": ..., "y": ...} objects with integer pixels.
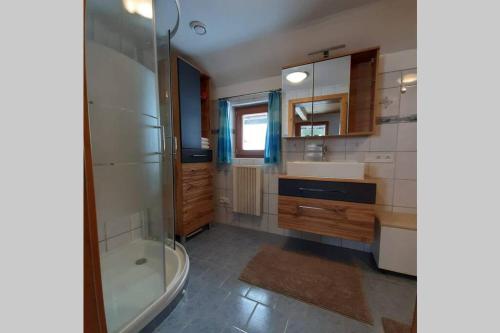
[{"x": 379, "y": 157}]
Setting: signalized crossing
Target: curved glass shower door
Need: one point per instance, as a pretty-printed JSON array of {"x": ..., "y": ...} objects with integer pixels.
[{"x": 132, "y": 160}]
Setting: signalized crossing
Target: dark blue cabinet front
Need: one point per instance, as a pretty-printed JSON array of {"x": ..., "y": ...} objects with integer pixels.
[{"x": 190, "y": 105}]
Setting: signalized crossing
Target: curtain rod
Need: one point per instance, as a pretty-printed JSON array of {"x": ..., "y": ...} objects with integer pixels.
[{"x": 256, "y": 93}]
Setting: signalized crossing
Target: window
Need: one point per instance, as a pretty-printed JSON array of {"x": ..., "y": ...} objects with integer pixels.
[
  {"x": 317, "y": 128},
  {"x": 251, "y": 127}
]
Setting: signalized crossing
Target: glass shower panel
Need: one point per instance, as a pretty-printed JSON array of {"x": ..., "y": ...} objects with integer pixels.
[
  {"x": 128, "y": 155},
  {"x": 164, "y": 19}
]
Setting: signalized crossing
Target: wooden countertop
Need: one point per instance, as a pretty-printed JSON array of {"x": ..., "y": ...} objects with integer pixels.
[
  {"x": 367, "y": 181},
  {"x": 397, "y": 220}
]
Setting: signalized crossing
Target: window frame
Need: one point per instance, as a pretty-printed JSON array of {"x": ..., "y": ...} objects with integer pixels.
[
  {"x": 239, "y": 112},
  {"x": 310, "y": 123}
]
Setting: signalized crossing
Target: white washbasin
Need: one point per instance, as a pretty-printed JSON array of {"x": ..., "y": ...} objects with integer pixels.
[{"x": 331, "y": 169}]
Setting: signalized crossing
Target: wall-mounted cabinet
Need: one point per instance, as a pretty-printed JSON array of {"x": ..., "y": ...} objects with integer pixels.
[{"x": 330, "y": 97}]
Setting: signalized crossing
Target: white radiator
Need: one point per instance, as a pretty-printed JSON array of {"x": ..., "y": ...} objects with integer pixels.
[{"x": 247, "y": 189}]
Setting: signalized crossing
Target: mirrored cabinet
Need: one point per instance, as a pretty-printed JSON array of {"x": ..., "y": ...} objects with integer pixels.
[{"x": 330, "y": 97}]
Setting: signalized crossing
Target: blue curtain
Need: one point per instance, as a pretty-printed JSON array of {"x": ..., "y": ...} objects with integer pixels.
[
  {"x": 272, "y": 151},
  {"x": 224, "y": 138}
]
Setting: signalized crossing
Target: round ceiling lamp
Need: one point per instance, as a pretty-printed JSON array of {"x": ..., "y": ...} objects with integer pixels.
[
  {"x": 297, "y": 77},
  {"x": 198, "y": 27}
]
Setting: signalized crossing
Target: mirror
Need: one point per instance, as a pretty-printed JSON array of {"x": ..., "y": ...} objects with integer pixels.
[
  {"x": 332, "y": 97},
  {"x": 319, "y": 116},
  {"x": 298, "y": 87}
]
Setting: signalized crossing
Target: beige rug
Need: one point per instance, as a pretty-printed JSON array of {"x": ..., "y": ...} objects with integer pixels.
[
  {"x": 392, "y": 326},
  {"x": 328, "y": 284}
]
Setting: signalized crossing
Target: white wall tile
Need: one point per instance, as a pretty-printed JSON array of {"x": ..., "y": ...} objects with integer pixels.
[
  {"x": 335, "y": 156},
  {"x": 220, "y": 179},
  {"x": 219, "y": 194},
  {"x": 357, "y": 144},
  {"x": 118, "y": 241},
  {"x": 232, "y": 218},
  {"x": 101, "y": 233},
  {"x": 389, "y": 80},
  {"x": 410, "y": 77},
  {"x": 404, "y": 210},
  {"x": 265, "y": 203},
  {"x": 398, "y": 60},
  {"x": 136, "y": 220},
  {"x": 273, "y": 225},
  {"x": 265, "y": 182},
  {"x": 229, "y": 179},
  {"x": 407, "y": 137},
  {"x": 335, "y": 144},
  {"x": 409, "y": 101},
  {"x": 389, "y": 101},
  {"x": 117, "y": 226},
  {"x": 379, "y": 170},
  {"x": 102, "y": 247},
  {"x": 382, "y": 208},
  {"x": 220, "y": 214},
  {"x": 385, "y": 189},
  {"x": 273, "y": 204},
  {"x": 357, "y": 156},
  {"x": 136, "y": 234},
  {"x": 385, "y": 138},
  {"x": 406, "y": 165},
  {"x": 273, "y": 183},
  {"x": 293, "y": 145},
  {"x": 296, "y": 156},
  {"x": 405, "y": 193}
]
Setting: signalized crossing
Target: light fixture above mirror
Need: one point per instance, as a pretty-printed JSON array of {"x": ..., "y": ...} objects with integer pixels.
[{"x": 297, "y": 77}]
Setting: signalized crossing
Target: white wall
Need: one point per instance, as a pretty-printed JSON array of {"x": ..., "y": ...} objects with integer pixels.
[{"x": 249, "y": 87}]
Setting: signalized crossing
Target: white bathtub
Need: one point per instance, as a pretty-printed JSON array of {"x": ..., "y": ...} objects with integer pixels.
[{"x": 135, "y": 294}]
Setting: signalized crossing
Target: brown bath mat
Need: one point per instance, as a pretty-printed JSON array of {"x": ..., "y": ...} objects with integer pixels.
[
  {"x": 392, "y": 326},
  {"x": 328, "y": 284}
]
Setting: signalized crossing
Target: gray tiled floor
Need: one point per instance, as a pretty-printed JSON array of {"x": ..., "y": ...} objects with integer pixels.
[{"x": 216, "y": 301}]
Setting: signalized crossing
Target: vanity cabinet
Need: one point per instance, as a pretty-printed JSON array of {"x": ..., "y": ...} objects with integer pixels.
[
  {"x": 330, "y": 97},
  {"x": 330, "y": 207},
  {"x": 194, "y": 187}
]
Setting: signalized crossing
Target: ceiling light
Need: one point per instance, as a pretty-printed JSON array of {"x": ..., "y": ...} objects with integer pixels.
[
  {"x": 141, "y": 7},
  {"x": 198, "y": 27},
  {"x": 297, "y": 77}
]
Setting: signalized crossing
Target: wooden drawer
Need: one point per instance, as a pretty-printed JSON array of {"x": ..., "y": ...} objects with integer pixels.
[
  {"x": 359, "y": 192},
  {"x": 347, "y": 220},
  {"x": 197, "y": 196},
  {"x": 196, "y": 171}
]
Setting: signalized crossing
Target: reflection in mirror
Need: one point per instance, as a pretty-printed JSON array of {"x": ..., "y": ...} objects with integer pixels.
[
  {"x": 330, "y": 115},
  {"x": 297, "y": 83}
]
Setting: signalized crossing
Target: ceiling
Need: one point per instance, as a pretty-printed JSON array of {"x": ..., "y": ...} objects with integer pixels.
[
  {"x": 252, "y": 39},
  {"x": 249, "y": 40}
]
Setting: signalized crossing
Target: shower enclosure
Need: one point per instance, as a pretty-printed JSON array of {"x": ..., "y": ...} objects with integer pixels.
[{"x": 127, "y": 46}]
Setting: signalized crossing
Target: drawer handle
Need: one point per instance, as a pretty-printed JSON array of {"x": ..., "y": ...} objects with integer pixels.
[
  {"x": 199, "y": 155},
  {"x": 338, "y": 211},
  {"x": 320, "y": 190}
]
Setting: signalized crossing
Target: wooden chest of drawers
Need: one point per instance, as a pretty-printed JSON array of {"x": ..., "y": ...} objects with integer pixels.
[
  {"x": 337, "y": 208},
  {"x": 197, "y": 197}
]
